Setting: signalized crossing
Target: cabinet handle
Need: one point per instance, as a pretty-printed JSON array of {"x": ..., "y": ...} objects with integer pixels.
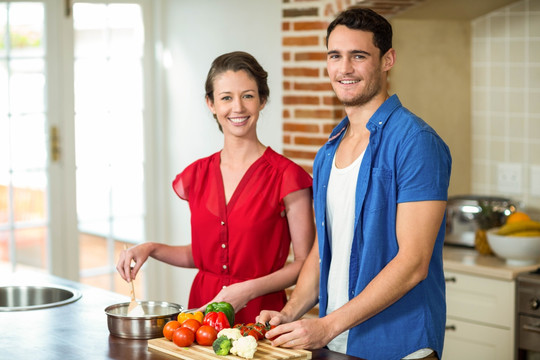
[
  {"x": 451, "y": 279},
  {"x": 533, "y": 328},
  {"x": 450, "y": 328}
]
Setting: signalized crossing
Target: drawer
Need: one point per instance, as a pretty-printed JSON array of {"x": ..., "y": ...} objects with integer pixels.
[
  {"x": 465, "y": 340},
  {"x": 480, "y": 299}
]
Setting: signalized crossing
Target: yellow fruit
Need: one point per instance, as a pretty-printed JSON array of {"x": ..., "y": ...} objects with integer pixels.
[
  {"x": 519, "y": 226},
  {"x": 480, "y": 242},
  {"x": 517, "y": 217},
  {"x": 526, "y": 233}
]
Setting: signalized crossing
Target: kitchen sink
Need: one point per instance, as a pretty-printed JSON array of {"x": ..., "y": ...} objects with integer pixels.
[{"x": 21, "y": 298}]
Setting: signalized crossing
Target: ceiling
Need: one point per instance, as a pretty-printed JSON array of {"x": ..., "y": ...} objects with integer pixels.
[{"x": 434, "y": 9}]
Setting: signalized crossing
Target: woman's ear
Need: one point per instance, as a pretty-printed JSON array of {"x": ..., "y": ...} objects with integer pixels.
[
  {"x": 263, "y": 104},
  {"x": 210, "y": 105}
]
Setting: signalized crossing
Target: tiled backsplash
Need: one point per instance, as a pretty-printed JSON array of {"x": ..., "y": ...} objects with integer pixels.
[{"x": 506, "y": 103}]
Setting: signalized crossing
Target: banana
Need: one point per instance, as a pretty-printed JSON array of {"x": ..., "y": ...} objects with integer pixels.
[
  {"x": 519, "y": 226},
  {"x": 526, "y": 233}
]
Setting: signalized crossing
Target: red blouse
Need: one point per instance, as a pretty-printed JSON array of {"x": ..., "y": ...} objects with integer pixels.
[{"x": 246, "y": 238}]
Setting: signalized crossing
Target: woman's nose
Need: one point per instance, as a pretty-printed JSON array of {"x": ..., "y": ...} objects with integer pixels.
[{"x": 238, "y": 105}]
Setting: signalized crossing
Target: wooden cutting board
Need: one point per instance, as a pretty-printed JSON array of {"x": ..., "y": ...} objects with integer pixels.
[{"x": 199, "y": 352}]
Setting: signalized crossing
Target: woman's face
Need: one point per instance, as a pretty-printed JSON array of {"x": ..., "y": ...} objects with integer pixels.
[{"x": 236, "y": 103}]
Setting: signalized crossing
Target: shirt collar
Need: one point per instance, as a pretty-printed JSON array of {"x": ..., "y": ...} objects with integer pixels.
[{"x": 377, "y": 120}]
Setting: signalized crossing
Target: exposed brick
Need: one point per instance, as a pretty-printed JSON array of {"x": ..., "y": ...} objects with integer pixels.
[
  {"x": 310, "y": 25},
  {"x": 331, "y": 100},
  {"x": 289, "y": 13},
  {"x": 300, "y": 40},
  {"x": 285, "y": 26},
  {"x": 324, "y": 86},
  {"x": 286, "y": 85},
  {"x": 297, "y": 127},
  {"x": 301, "y": 72},
  {"x": 310, "y": 140},
  {"x": 286, "y": 114},
  {"x": 286, "y": 139},
  {"x": 313, "y": 114},
  {"x": 327, "y": 128},
  {"x": 286, "y": 56},
  {"x": 310, "y": 56},
  {"x": 298, "y": 154},
  {"x": 301, "y": 100}
]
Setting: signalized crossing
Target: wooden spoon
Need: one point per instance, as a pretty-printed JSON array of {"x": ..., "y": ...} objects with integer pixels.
[{"x": 134, "y": 309}]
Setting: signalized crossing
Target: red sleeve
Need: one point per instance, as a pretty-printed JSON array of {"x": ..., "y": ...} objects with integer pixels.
[
  {"x": 182, "y": 183},
  {"x": 294, "y": 178}
]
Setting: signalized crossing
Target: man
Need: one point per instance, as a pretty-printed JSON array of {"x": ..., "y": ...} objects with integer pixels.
[{"x": 380, "y": 187}]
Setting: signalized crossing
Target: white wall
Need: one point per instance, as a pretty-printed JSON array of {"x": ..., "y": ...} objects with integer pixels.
[{"x": 194, "y": 33}]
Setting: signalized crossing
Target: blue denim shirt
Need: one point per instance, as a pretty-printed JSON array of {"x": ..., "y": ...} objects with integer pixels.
[{"x": 404, "y": 161}]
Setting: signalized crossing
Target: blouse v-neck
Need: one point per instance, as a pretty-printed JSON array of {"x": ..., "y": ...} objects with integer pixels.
[{"x": 241, "y": 184}]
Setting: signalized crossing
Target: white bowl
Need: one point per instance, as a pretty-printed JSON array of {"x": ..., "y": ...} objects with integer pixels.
[{"x": 517, "y": 250}]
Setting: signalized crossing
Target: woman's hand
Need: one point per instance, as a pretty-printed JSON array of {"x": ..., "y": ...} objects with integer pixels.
[
  {"x": 138, "y": 254},
  {"x": 238, "y": 295}
]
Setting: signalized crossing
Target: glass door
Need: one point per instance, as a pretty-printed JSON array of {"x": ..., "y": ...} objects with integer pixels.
[
  {"x": 72, "y": 146},
  {"x": 24, "y": 202},
  {"x": 109, "y": 113}
]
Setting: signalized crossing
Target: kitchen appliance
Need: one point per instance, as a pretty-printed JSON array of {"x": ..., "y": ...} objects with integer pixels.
[
  {"x": 467, "y": 213},
  {"x": 528, "y": 316}
]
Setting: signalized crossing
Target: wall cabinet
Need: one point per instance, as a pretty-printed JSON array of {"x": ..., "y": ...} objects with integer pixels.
[{"x": 480, "y": 317}]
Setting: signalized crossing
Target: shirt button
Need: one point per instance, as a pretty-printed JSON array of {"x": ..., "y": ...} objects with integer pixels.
[
  {"x": 223, "y": 246},
  {"x": 223, "y": 223},
  {"x": 380, "y": 122},
  {"x": 322, "y": 223},
  {"x": 224, "y": 267}
]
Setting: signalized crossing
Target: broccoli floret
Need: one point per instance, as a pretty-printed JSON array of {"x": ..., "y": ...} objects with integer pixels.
[{"x": 222, "y": 345}]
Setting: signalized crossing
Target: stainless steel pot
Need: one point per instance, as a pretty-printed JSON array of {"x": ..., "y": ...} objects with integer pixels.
[
  {"x": 149, "y": 326},
  {"x": 467, "y": 213}
]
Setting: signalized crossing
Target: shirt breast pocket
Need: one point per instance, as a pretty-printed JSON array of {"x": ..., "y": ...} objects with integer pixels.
[{"x": 378, "y": 192}]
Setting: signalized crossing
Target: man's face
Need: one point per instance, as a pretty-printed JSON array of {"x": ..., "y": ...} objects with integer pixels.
[{"x": 354, "y": 66}]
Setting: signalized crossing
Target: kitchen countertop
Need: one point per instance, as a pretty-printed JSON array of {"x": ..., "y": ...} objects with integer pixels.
[
  {"x": 77, "y": 330},
  {"x": 470, "y": 261}
]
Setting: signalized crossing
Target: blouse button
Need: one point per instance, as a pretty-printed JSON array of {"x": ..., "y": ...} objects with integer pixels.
[
  {"x": 224, "y": 267},
  {"x": 222, "y": 223},
  {"x": 224, "y": 286},
  {"x": 223, "y": 246}
]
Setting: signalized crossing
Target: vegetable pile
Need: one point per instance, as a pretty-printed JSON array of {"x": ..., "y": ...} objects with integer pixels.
[{"x": 213, "y": 328}]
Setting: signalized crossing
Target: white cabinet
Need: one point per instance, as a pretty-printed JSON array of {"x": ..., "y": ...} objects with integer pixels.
[{"x": 480, "y": 317}]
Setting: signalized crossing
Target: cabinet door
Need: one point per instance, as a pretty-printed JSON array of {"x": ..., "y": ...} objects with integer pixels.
[
  {"x": 480, "y": 299},
  {"x": 465, "y": 340}
]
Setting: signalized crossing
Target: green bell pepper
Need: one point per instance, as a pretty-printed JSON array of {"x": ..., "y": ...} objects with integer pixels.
[{"x": 224, "y": 307}]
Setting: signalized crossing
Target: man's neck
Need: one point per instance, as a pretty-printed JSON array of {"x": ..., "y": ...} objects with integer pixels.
[{"x": 360, "y": 115}]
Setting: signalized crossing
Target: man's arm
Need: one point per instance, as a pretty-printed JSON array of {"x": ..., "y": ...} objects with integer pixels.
[{"x": 417, "y": 225}]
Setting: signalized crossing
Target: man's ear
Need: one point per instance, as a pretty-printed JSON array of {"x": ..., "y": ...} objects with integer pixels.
[{"x": 388, "y": 60}]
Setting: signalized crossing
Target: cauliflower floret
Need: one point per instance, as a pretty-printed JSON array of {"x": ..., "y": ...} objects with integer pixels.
[
  {"x": 244, "y": 347},
  {"x": 232, "y": 334}
]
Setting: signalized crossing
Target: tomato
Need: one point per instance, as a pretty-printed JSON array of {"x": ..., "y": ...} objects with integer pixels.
[
  {"x": 183, "y": 337},
  {"x": 256, "y": 334},
  {"x": 169, "y": 328},
  {"x": 260, "y": 328},
  {"x": 192, "y": 325},
  {"x": 206, "y": 335}
]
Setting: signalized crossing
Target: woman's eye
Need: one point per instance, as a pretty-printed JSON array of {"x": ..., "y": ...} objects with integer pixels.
[
  {"x": 248, "y": 96},
  {"x": 226, "y": 98}
]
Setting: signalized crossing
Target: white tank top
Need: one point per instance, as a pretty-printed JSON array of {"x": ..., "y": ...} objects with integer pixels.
[{"x": 340, "y": 211}]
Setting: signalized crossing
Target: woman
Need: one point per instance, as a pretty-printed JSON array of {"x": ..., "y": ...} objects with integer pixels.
[{"x": 247, "y": 203}]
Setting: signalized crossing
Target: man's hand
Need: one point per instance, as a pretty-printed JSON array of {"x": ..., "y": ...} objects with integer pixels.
[{"x": 301, "y": 334}]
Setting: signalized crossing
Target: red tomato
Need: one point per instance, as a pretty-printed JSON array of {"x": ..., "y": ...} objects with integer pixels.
[
  {"x": 169, "y": 328},
  {"x": 183, "y": 337},
  {"x": 257, "y": 335},
  {"x": 206, "y": 335},
  {"x": 191, "y": 324}
]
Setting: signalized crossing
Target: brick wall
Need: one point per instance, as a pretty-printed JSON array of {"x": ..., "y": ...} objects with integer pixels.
[{"x": 310, "y": 109}]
